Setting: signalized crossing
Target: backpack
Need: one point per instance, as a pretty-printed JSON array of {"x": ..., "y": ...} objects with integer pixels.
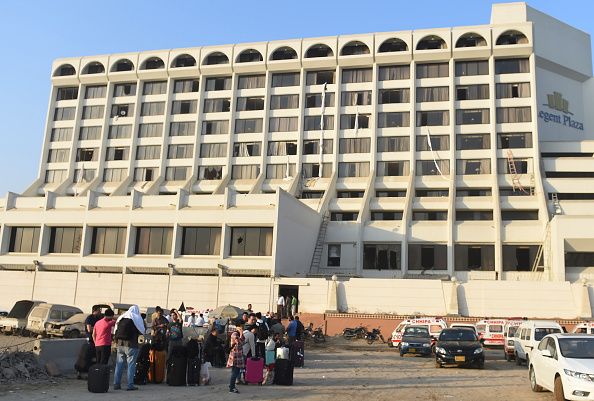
[
  {"x": 126, "y": 330},
  {"x": 262, "y": 331}
]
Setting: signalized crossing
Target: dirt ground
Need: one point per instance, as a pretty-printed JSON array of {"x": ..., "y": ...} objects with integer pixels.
[{"x": 337, "y": 370}]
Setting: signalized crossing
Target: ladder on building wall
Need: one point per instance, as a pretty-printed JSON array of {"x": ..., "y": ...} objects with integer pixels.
[
  {"x": 556, "y": 204},
  {"x": 317, "y": 255},
  {"x": 543, "y": 249},
  {"x": 511, "y": 169}
]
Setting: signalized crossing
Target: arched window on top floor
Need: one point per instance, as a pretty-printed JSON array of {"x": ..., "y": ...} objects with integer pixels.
[
  {"x": 250, "y": 56},
  {"x": 64, "y": 70},
  {"x": 512, "y": 38},
  {"x": 393, "y": 45},
  {"x": 152, "y": 63},
  {"x": 284, "y": 53},
  {"x": 319, "y": 50},
  {"x": 354, "y": 48},
  {"x": 216, "y": 58},
  {"x": 122, "y": 65},
  {"x": 183, "y": 60},
  {"x": 94, "y": 67},
  {"x": 471, "y": 39},
  {"x": 431, "y": 42}
]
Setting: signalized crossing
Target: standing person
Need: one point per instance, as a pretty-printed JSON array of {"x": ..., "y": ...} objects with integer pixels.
[
  {"x": 128, "y": 327},
  {"x": 90, "y": 321},
  {"x": 292, "y": 330},
  {"x": 249, "y": 341},
  {"x": 174, "y": 332},
  {"x": 235, "y": 361},
  {"x": 249, "y": 309},
  {"x": 200, "y": 321},
  {"x": 280, "y": 306},
  {"x": 159, "y": 329},
  {"x": 294, "y": 303},
  {"x": 102, "y": 337},
  {"x": 300, "y": 329},
  {"x": 287, "y": 306},
  {"x": 262, "y": 333}
]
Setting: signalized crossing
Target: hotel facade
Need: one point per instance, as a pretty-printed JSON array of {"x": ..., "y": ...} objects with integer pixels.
[{"x": 442, "y": 168}]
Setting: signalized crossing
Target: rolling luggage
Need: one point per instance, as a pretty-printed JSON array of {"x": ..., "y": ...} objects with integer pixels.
[
  {"x": 158, "y": 360},
  {"x": 297, "y": 354},
  {"x": 283, "y": 372},
  {"x": 143, "y": 365},
  {"x": 98, "y": 380},
  {"x": 86, "y": 357},
  {"x": 177, "y": 366},
  {"x": 254, "y": 371}
]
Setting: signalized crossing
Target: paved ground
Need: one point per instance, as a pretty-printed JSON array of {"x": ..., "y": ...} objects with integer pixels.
[{"x": 339, "y": 370}]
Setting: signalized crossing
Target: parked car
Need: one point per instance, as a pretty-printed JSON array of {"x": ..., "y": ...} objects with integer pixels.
[
  {"x": 465, "y": 326},
  {"x": 43, "y": 314},
  {"x": 509, "y": 332},
  {"x": 16, "y": 321},
  {"x": 416, "y": 340},
  {"x": 564, "y": 364},
  {"x": 73, "y": 327},
  {"x": 434, "y": 324},
  {"x": 491, "y": 331},
  {"x": 584, "y": 327},
  {"x": 529, "y": 334},
  {"x": 460, "y": 347}
]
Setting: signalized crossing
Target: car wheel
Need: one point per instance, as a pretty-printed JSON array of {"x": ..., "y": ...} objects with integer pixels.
[
  {"x": 518, "y": 360},
  {"x": 481, "y": 365},
  {"x": 438, "y": 365},
  {"x": 507, "y": 357},
  {"x": 558, "y": 391},
  {"x": 533, "y": 385},
  {"x": 401, "y": 354}
]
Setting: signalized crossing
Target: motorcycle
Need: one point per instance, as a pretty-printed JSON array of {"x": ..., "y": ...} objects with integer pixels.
[
  {"x": 374, "y": 335},
  {"x": 354, "y": 332},
  {"x": 318, "y": 335}
]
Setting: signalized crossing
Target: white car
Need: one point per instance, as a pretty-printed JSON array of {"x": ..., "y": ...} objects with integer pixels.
[{"x": 564, "y": 364}]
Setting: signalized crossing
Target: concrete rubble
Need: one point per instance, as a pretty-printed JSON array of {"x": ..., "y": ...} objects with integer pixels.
[{"x": 20, "y": 367}]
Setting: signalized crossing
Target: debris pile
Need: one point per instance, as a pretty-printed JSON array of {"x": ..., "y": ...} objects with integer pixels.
[{"x": 19, "y": 367}]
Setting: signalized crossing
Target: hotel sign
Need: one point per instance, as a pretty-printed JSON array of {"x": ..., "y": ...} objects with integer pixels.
[{"x": 556, "y": 102}]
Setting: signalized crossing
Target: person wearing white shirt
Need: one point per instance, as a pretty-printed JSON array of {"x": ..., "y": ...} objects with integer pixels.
[{"x": 280, "y": 306}]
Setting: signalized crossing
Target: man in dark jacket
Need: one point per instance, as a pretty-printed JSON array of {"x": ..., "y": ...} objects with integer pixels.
[{"x": 128, "y": 327}]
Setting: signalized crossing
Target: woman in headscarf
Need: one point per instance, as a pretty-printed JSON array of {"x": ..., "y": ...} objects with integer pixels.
[
  {"x": 174, "y": 331},
  {"x": 128, "y": 327}
]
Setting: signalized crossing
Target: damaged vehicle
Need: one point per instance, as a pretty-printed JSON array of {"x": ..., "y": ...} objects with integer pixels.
[
  {"x": 16, "y": 320},
  {"x": 44, "y": 314},
  {"x": 73, "y": 327}
]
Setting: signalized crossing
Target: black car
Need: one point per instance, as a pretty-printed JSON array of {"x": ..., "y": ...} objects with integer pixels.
[
  {"x": 460, "y": 347},
  {"x": 416, "y": 340}
]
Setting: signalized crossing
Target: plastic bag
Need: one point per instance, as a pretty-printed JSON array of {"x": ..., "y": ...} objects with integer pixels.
[{"x": 205, "y": 373}]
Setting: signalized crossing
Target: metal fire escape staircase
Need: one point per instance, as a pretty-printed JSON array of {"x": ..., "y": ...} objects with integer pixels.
[{"x": 317, "y": 255}]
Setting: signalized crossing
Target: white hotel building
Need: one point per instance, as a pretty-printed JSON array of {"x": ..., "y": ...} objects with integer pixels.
[{"x": 462, "y": 155}]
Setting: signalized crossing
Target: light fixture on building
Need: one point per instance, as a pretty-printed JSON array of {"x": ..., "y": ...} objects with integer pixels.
[{"x": 36, "y": 263}]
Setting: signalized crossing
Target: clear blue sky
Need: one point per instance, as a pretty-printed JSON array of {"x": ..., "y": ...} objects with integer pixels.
[{"x": 33, "y": 33}]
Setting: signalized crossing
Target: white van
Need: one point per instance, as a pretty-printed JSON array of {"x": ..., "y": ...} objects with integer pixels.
[
  {"x": 434, "y": 324},
  {"x": 490, "y": 331},
  {"x": 529, "y": 334},
  {"x": 43, "y": 314},
  {"x": 465, "y": 326},
  {"x": 509, "y": 332},
  {"x": 585, "y": 328}
]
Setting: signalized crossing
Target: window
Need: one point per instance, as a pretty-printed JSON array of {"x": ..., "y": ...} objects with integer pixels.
[
  {"x": 432, "y": 193},
  {"x": 354, "y": 48},
  {"x": 186, "y": 85},
  {"x": 474, "y": 257},
  {"x": 84, "y": 175},
  {"x": 61, "y": 135},
  {"x": 312, "y": 170},
  {"x": 507, "y": 215},
  {"x": 120, "y": 131},
  {"x": 472, "y": 116},
  {"x": 153, "y": 240},
  {"x": 182, "y": 128},
  {"x": 522, "y": 166},
  {"x": 24, "y": 239},
  {"x": 333, "y": 255},
  {"x": 90, "y": 133},
  {"x": 108, "y": 240},
  {"x": 393, "y": 144},
  {"x": 249, "y": 56},
  {"x": 65, "y": 70},
  {"x": 429, "y": 167},
  {"x": 150, "y": 130},
  {"x": 184, "y": 107},
  {"x": 65, "y": 239},
  {"x": 512, "y": 66},
  {"x": 218, "y": 84},
  {"x": 118, "y": 153},
  {"x": 52, "y": 176},
  {"x": 122, "y": 110},
  {"x": 91, "y": 112},
  {"x": 64, "y": 113},
  {"x": 143, "y": 174},
  {"x": 473, "y": 192},
  {"x": 516, "y": 140},
  {"x": 472, "y": 92},
  {"x": 250, "y": 103},
  {"x": 389, "y": 96},
  {"x": 279, "y": 171},
  {"x": 210, "y": 172},
  {"x": 433, "y": 118},
  {"x": 87, "y": 154},
  {"x": 314, "y": 123},
  {"x": 513, "y": 115},
  {"x": 430, "y": 215},
  {"x": 67, "y": 93},
  {"x": 393, "y": 168},
  {"x": 319, "y": 77},
  {"x": 249, "y": 125},
  {"x": 182, "y": 151},
  {"x": 214, "y": 127},
  {"x": 213, "y": 150},
  {"x": 152, "y": 109},
  {"x": 285, "y": 79},
  {"x": 217, "y": 105},
  {"x": 148, "y": 152},
  {"x": 385, "y": 215},
  {"x": 357, "y": 75},
  {"x": 319, "y": 50},
  {"x": 282, "y": 148},
  {"x": 154, "y": 88},
  {"x": 58, "y": 155},
  {"x": 153, "y": 63},
  {"x": 201, "y": 241},
  {"x": 312, "y": 194},
  {"x": 393, "y": 45},
  {"x": 284, "y": 102},
  {"x": 438, "y": 142},
  {"x": 431, "y": 43},
  {"x": 390, "y": 194},
  {"x": 179, "y": 173},
  {"x": 473, "y": 167},
  {"x": 350, "y": 121},
  {"x": 251, "y": 81},
  {"x": 251, "y": 241},
  {"x": 245, "y": 172},
  {"x": 471, "y": 40},
  {"x": 344, "y": 216},
  {"x": 349, "y": 194},
  {"x": 572, "y": 259},
  {"x": 312, "y": 147},
  {"x": 115, "y": 174},
  {"x": 474, "y": 215},
  {"x": 381, "y": 256},
  {"x": 434, "y": 94},
  {"x": 360, "y": 98},
  {"x": 511, "y": 38},
  {"x": 353, "y": 169},
  {"x": 472, "y": 141},
  {"x": 436, "y": 70},
  {"x": 128, "y": 89},
  {"x": 284, "y": 53},
  {"x": 215, "y": 59},
  {"x": 95, "y": 92},
  {"x": 427, "y": 257},
  {"x": 519, "y": 257},
  {"x": 354, "y": 145},
  {"x": 314, "y": 100},
  {"x": 471, "y": 68},
  {"x": 513, "y": 90},
  {"x": 394, "y": 72},
  {"x": 246, "y": 149}
]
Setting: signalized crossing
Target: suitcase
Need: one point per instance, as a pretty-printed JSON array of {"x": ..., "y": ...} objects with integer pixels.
[
  {"x": 282, "y": 353},
  {"x": 254, "y": 371},
  {"x": 297, "y": 354},
  {"x": 143, "y": 365},
  {"x": 158, "y": 360},
  {"x": 193, "y": 349},
  {"x": 98, "y": 380},
  {"x": 193, "y": 373},
  {"x": 86, "y": 357},
  {"x": 177, "y": 366},
  {"x": 270, "y": 357},
  {"x": 283, "y": 372}
]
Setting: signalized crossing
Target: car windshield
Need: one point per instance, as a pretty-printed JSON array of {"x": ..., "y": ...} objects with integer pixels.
[
  {"x": 413, "y": 331},
  {"x": 579, "y": 348},
  {"x": 495, "y": 328},
  {"x": 540, "y": 332},
  {"x": 457, "y": 335},
  {"x": 21, "y": 309},
  {"x": 511, "y": 331}
]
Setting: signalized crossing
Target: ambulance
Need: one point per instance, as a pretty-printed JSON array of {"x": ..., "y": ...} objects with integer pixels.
[
  {"x": 434, "y": 324},
  {"x": 585, "y": 327},
  {"x": 509, "y": 332},
  {"x": 491, "y": 331}
]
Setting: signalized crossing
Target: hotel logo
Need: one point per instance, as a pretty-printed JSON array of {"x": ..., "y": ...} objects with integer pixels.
[{"x": 555, "y": 101}]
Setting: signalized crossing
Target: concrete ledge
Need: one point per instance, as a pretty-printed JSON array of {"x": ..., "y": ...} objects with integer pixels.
[{"x": 63, "y": 353}]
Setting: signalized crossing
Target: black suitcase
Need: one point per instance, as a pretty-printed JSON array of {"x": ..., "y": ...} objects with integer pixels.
[
  {"x": 98, "y": 380},
  {"x": 143, "y": 365},
  {"x": 193, "y": 349},
  {"x": 193, "y": 373},
  {"x": 177, "y": 366},
  {"x": 297, "y": 354},
  {"x": 283, "y": 372},
  {"x": 86, "y": 357}
]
